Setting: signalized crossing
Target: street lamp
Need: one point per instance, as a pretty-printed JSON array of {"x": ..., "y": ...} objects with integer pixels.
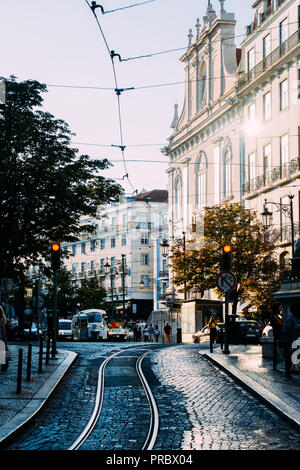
[
  {"x": 165, "y": 248},
  {"x": 109, "y": 271},
  {"x": 267, "y": 216}
]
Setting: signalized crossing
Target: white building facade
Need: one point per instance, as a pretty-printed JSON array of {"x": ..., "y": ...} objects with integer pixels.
[
  {"x": 122, "y": 237},
  {"x": 237, "y": 137}
]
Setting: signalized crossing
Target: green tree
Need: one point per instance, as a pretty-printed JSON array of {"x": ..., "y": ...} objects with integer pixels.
[
  {"x": 91, "y": 294},
  {"x": 255, "y": 264},
  {"x": 45, "y": 186}
]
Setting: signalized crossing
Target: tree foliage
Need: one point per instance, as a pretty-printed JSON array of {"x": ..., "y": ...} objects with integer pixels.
[
  {"x": 255, "y": 264},
  {"x": 45, "y": 186}
]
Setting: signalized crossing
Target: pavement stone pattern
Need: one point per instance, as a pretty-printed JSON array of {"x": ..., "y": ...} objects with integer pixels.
[
  {"x": 201, "y": 407},
  {"x": 221, "y": 414},
  {"x": 12, "y": 403}
]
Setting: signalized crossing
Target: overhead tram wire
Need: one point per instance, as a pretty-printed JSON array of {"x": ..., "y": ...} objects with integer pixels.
[{"x": 117, "y": 90}]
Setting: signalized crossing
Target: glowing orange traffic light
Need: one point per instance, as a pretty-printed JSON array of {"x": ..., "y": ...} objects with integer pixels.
[
  {"x": 55, "y": 256},
  {"x": 226, "y": 263},
  {"x": 55, "y": 247}
]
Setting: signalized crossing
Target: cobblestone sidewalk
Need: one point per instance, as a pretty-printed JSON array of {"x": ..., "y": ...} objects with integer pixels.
[{"x": 17, "y": 408}]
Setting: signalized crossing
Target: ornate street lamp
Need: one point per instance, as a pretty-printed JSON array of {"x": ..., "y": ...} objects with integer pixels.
[
  {"x": 165, "y": 248},
  {"x": 267, "y": 216}
]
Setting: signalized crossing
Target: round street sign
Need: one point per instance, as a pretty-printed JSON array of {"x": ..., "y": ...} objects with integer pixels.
[{"x": 226, "y": 281}]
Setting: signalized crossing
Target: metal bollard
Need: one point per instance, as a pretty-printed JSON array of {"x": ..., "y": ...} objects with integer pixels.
[
  {"x": 19, "y": 376},
  {"x": 29, "y": 354},
  {"x": 41, "y": 355},
  {"x": 48, "y": 350}
]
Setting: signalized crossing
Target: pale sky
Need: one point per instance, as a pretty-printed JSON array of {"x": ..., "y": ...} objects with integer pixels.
[{"x": 57, "y": 42}]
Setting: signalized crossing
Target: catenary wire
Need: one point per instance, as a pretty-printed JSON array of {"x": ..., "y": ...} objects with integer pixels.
[{"x": 122, "y": 147}]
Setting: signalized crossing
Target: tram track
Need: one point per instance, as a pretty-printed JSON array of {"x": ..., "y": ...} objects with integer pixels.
[{"x": 99, "y": 400}]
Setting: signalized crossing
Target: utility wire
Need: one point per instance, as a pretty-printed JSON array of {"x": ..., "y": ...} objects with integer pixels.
[{"x": 118, "y": 91}]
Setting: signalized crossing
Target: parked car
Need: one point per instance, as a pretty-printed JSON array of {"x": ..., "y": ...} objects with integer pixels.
[
  {"x": 202, "y": 336},
  {"x": 250, "y": 331},
  {"x": 64, "y": 329}
]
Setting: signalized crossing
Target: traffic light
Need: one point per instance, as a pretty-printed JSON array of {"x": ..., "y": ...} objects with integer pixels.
[
  {"x": 226, "y": 264},
  {"x": 55, "y": 256}
]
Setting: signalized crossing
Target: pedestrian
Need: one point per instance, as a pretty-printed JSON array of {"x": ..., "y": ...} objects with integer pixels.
[
  {"x": 3, "y": 337},
  {"x": 212, "y": 331},
  {"x": 167, "y": 333},
  {"x": 156, "y": 333},
  {"x": 151, "y": 332},
  {"x": 290, "y": 332},
  {"x": 135, "y": 333},
  {"x": 139, "y": 334},
  {"x": 146, "y": 333},
  {"x": 276, "y": 321}
]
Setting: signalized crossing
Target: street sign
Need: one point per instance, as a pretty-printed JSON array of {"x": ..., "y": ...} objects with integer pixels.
[{"x": 226, "y": 281}]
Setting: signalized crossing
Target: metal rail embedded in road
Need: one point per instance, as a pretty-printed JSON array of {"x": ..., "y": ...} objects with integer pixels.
[{"x": 154, "y": 415}]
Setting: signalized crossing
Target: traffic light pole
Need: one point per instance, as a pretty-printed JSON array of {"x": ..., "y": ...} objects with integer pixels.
[
  {"x": 123, "y": 282},
  {"x": 226, "y": 341},
  {"x": 54, "y": 313}
]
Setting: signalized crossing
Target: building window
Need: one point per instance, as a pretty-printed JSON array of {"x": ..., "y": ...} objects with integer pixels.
[
  {"x": 83, "y": 248},
  {"x": 283, "y": 30},
  {"x": 83, "y": 266},
  {"x": 201, "y": 181},
  {"x": 74, "y": 250},
  {"x": 102, "y": 244},
  {"x": 284, "y": 92},
  {"x": 144, "y": 239},
  {"x": 92, "y": 265},
  {"x": 202, "y": 84},
  {"x": 145, "y": 280},
  {"x": 177, "y": 197},
  {"x": 102, "y": 261},
  {"x": 113, "y": 243},
  {"x": 93, "y": 245},
  {"x": 267, "y": 164},
  {"x": 227, "y": 173},
  {"x": 124, "y": 241},
  {"x": 145, "y": 259},
  {"x": 284, "y": 154},
  {"x": 267, "y": 106},
  {"x": 250, "y": 59},
  {"x": 266, "y": 46},
  {"x": 252, "y": 166}
]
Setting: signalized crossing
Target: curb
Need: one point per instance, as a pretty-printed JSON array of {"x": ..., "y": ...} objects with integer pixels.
[
  {"x": 269, "y": 398},
  {"x": 8, "y": 430}
]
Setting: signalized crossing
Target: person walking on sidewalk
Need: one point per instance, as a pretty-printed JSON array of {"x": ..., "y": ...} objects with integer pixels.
[
  {"x": 151, "y": 333},
  {"x": 276, "y": 321},
  {"x": 290, "y": 332},
  {"x": 212, "y": 332},
  {"x": 156, "y": 333},
  {"x": 167, "y": 333},
  {"x": 3, "y": 335}
]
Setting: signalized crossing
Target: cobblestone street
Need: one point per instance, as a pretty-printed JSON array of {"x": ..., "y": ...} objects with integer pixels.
[
  {"x": 205, "y": 409},
  {"x": 200, "y": 407}
]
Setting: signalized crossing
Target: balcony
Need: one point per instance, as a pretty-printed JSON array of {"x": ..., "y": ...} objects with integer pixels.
[
  {"x": 263, "y": 16},
  {"x": 282, "y": 172},
  {"x": 270, "y": 60},
  {"x": 164, "y": 274}
]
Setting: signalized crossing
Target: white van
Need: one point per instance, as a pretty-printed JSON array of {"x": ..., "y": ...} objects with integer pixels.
[{"x": 89, "y": 325}]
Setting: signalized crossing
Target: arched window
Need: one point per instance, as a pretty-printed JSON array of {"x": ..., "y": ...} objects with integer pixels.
[
  {"x": 178, "y": 197},
  {"x": 227, "y": 181},
  {"x": 201, "y": 181},
  {"x": 202, "y": 86}
]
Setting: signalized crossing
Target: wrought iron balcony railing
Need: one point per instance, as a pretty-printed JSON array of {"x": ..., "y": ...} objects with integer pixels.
[
  {"x": 272, "y": 176},
  {"x": 271, "y": 59}
]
